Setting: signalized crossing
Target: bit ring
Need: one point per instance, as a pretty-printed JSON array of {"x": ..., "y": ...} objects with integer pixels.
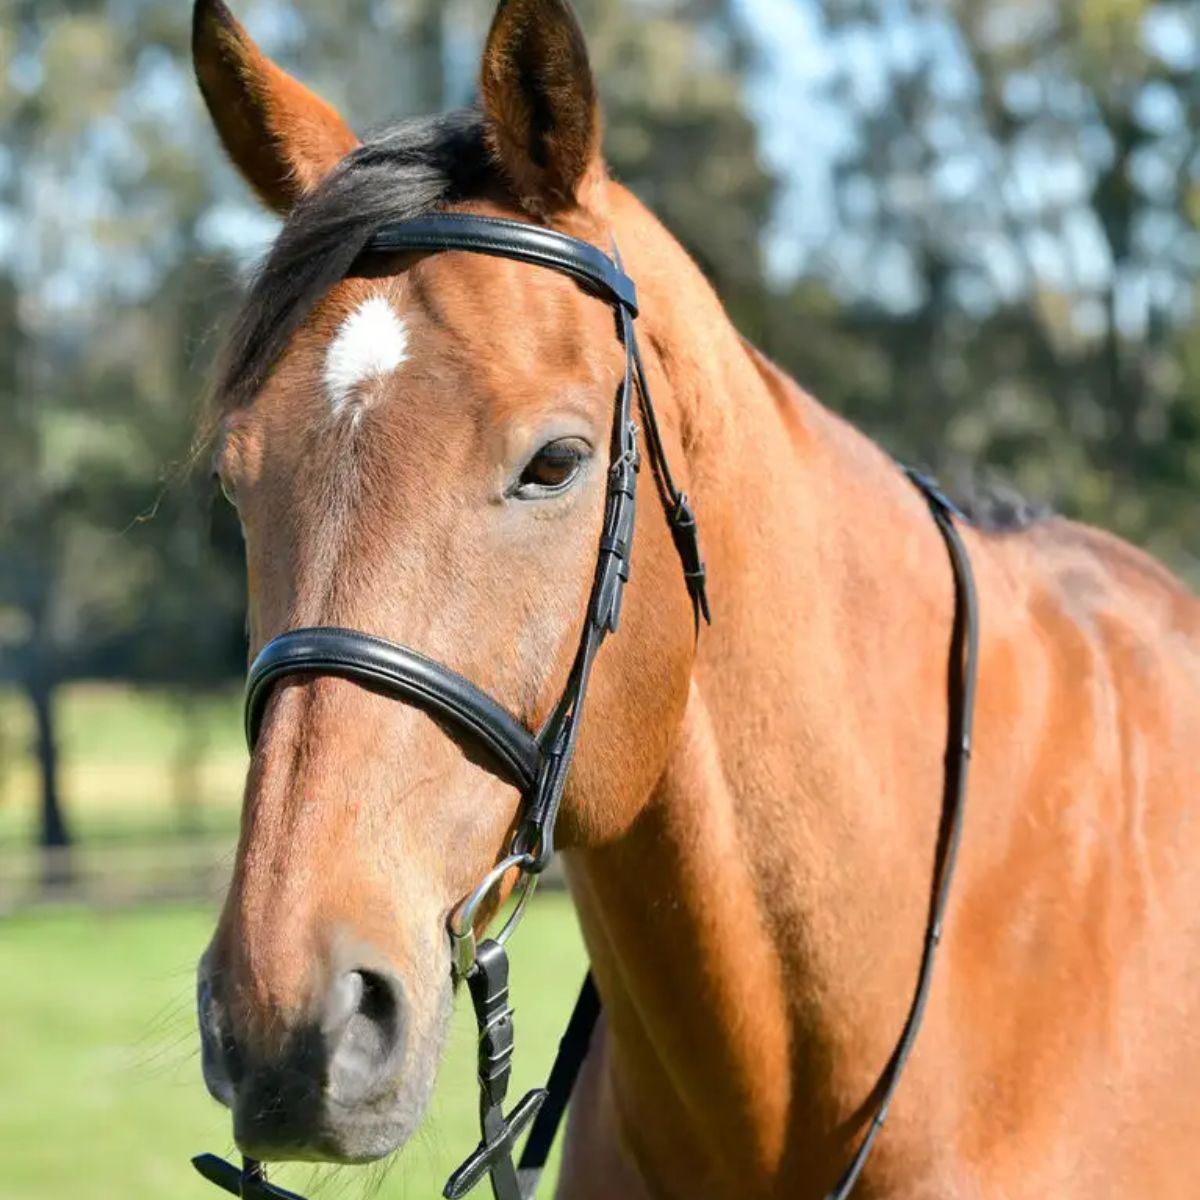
[{"x": 461, "y": 924}]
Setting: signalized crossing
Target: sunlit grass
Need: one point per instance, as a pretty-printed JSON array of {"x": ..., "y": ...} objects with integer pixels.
[{"x": 102, "y": 1097}]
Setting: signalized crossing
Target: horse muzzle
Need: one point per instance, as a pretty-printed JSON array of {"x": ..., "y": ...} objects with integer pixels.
[{"x": 331, "y": 1086}]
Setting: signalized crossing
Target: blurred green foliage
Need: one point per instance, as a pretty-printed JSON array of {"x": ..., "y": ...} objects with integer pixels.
[
  {"x": 1012, "y": 281},
  {"x": 1007, "y": 279}
]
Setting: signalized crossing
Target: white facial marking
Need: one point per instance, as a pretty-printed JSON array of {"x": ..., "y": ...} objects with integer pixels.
[{"x": 372, "y": 342}]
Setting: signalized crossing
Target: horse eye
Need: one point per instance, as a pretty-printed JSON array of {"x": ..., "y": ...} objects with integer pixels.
[{"x": 552, "y": 468}]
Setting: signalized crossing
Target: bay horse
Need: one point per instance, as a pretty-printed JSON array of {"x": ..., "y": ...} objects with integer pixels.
[{"x": 416, "y": 445}]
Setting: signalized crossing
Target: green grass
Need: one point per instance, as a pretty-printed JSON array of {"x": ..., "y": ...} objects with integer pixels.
[
  {"x": 100, "y": 1089},
  {"x": 120, "y": 749}
]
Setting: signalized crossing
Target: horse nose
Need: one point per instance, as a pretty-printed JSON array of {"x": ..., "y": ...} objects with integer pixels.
[
  {"x": 315, "y": 1091},
  {"x": 363, "y": 1035},
  {"x": 319, "y": 1075}
]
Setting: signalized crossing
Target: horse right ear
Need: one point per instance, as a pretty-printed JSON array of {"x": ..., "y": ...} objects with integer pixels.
[
  {"x": 281, "y": 137},
  {"x": 539, "y": 101}
]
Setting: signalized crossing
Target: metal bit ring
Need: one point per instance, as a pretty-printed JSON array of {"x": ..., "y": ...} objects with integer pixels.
[{"x": 461, "y": 923}]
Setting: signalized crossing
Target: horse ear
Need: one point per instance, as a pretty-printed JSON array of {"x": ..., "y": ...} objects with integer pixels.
[
  {"x": 539, "y": 100},
  {"x": 282, "y": 137}
]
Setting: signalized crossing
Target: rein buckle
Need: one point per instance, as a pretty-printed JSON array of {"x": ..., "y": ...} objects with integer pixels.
[{"x": 493, "y": 1157}]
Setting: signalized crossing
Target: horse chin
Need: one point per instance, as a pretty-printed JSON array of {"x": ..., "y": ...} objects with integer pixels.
[{"x": 351, "y": 1143}]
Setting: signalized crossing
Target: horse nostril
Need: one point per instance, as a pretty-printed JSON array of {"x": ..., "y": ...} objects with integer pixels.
[
  {"x": 344, "y": 1001},
  {"x": 363, "y": 1035},
  {"x": 378, "y": 1000},
  {"x": 220, "y": 1061}
]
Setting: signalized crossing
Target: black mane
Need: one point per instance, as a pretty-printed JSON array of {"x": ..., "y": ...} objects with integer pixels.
[
  {"x": 997, "y": 507},
  {"x": 401, "y": 172}
]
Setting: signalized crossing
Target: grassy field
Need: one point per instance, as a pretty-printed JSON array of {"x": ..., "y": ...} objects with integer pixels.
[
  {"x": 101, "y": 1095},
  {"x": 121, "y": 751},
  {"x": 100, "y": 1089}
]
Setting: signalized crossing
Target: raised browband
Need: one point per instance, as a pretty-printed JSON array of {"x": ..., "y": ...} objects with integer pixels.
[
  {"x": 511, "y": 239},
  {"x": 400, "y": 673}
]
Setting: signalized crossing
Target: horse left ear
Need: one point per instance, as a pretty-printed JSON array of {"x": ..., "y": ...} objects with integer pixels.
[
  {"x": 539, "y": 100},
  {"x": 282, "y": 137}
]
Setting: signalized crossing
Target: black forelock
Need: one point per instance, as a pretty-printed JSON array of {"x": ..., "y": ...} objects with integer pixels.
[{"x": 401, "y": 172}]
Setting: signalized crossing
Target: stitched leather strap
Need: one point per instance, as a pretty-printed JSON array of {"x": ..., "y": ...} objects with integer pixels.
[
  {"x": 511, "y": 239},
  {"x": 401, "y": 673}
]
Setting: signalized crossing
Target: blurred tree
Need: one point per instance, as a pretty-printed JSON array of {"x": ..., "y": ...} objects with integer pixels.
[
  {"x": 1016, "y": 251},
  {"x": 96, "y": 321},
  {"x": 672, "y": 79},
  {"x": 1011, "y": 276}
]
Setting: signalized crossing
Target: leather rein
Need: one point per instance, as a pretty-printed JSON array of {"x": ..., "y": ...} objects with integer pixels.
[{"x": 538, "y": 763}]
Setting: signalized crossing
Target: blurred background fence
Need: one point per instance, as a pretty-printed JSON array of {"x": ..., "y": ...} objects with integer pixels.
[{"x": 970, "y": 226}]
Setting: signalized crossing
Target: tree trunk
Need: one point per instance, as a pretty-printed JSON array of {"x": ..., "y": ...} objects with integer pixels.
[
  {"x": 55, "y": 838},
  {"x": 187, "y": 761}
]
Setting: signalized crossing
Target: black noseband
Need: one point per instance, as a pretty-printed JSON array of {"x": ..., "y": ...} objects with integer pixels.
[{"x": 403, "y": 674}]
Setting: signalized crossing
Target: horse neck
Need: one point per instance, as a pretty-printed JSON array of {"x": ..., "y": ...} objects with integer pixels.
[{"x": 756, "y": 932}]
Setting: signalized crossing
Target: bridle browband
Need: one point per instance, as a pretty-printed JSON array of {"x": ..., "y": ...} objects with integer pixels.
[{"x": 538, "y": 764}]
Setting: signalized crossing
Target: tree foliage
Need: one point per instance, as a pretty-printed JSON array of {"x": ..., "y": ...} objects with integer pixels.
[{"x": 1016, "y": 261}]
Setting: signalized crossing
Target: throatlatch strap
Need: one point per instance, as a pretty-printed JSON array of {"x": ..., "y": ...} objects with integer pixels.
[
  {"x": 568, "y": 1062},
  {"x": 680, "y": 518}
]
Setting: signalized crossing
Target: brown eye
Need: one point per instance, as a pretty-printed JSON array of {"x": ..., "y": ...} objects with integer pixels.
[{"x": 552, "y": 469}]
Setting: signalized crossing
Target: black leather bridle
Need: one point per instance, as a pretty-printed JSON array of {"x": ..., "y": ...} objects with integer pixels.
[{"x": 538, "y": 764}]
